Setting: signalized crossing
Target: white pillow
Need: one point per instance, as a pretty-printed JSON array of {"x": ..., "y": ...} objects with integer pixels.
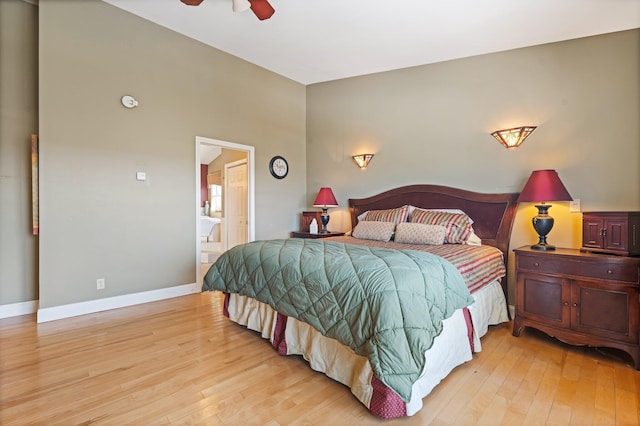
[
  {"x": 474, "y": 240},
  {"x": 420, "y": 233},
  {"x": 372, "y": 230}
]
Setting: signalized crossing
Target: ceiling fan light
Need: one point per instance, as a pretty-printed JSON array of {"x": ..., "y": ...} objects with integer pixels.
[{"x": 241, "y": 5}]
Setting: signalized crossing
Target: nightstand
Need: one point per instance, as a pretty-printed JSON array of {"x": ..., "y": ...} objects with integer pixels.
[
  {"x": 302, "y": 234},
  {"x": 580, "y": 298}
]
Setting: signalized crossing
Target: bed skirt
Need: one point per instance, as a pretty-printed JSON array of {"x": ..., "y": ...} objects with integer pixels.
[{"x": 460, "y": 337}]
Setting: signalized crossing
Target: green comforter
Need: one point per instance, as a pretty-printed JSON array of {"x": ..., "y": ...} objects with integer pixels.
[{"x": 387, "y": 305}]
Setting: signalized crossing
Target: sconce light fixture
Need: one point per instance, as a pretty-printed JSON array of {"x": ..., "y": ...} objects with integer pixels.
[
  {"x": 512, "y": 138},
  {"x": 362, "y": 160}
]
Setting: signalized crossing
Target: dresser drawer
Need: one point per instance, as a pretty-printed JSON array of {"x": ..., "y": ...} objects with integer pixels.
[
  {"x": 588, "y": 268},
  {"x": 610, "y": 271},
  {"x": 549, "y": 265}
]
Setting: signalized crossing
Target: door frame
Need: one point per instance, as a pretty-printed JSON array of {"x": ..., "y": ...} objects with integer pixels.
[{"x": 250, "y": 151}]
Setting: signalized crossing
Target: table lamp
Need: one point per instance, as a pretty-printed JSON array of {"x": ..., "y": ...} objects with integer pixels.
[
  {"x": 543, "y": 186},
  {"x": 324, "y": 200}
]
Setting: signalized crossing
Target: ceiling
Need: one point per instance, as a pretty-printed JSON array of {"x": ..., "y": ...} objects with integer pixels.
[
  {"x": 208, "y": 153},
  {"x": 312, "y": 41}
]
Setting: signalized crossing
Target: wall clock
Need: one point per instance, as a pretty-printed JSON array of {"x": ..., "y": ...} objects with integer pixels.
[{"x": 278, "y": 167}]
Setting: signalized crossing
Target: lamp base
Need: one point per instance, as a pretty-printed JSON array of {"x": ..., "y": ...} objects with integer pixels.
[
  {"x": 542, "y": 223},
  {"x": 324, "y": 218},
  {"x": 543, "y": 247}
]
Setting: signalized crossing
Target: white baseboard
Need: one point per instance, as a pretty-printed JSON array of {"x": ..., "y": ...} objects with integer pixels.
[
  {"x": 512, "y": 311},
  {"x": 17, "y": 309},
  {"x": 98, "y": 305}
]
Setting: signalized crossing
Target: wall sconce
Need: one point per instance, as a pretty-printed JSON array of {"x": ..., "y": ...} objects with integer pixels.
[
  {"x": 362, "y": 160},
  {"x": 512, "y": 138}
]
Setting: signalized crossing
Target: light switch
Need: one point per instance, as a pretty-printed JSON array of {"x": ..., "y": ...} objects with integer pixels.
[
  {"x": 574, "y": 206},
  {"x": 141, "y": 176}
]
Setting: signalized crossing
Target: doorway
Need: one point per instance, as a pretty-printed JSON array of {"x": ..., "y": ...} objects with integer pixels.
[{"x": 234, "y": 207}]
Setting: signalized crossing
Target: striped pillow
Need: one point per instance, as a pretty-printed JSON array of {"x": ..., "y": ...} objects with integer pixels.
[
  {"x": 396, "y": 215},
  {"x": 374, "y": 230},
  {"x": 457, "y": 224},
  {"x": 419, "y": 233}
]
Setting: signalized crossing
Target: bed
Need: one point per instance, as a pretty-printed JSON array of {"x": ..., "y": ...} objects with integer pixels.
[{"x": 385, "y": 385}]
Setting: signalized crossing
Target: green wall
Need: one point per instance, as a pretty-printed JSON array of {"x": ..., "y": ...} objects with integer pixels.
[
  {"x": 18, "y": 121},
  {"x": 427, "y": 124},
  {"x": 432, "y": 124},
  {"x": 97, "y": 220}
]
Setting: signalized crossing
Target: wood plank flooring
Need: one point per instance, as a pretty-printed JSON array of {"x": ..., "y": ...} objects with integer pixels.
[{"x": 179, "y": 362}]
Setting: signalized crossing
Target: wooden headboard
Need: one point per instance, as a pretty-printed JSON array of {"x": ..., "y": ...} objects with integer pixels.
[{"x": 492, "y": 214}]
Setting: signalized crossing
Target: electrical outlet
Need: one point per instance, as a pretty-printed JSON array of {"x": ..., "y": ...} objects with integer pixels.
[
  {"x": 574, "y": 206},
  {"x": 100, "y": 283}
]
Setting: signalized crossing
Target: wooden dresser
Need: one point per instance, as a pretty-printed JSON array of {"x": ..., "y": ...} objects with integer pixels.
[{"x": 580, "y": 298}]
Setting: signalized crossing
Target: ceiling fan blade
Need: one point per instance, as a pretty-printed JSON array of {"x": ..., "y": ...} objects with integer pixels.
[
  {"x": 262, "y": 9},
  {"x": 191, "y": 2}
]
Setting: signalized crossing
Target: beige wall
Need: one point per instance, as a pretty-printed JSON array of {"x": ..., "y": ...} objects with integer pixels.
[
  {"x": 427, "y": 124},
  {"x": 99, "y": 222},
  {"x": 18, "y": 120},
  {"x": 432, "y": 124}
]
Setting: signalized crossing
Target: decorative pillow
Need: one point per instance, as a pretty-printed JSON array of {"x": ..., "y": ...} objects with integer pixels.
[
  {"x": 419, "y": 233},
  {"x": 396, "y": 215},
  {"x": 371, "y": 230},
  {"x": 458, "y": 228},
  {"x": 474, "y": 240},
  {"x": 412, "y": 208}
]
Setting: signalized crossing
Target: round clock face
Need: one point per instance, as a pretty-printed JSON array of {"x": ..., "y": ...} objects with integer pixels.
[{"x": 278, "y": 167}]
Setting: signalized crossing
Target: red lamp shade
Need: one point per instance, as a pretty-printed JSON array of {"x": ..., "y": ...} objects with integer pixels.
[
  {"x": 542, "y": 186},
  {"x": 325, "y": 198}
]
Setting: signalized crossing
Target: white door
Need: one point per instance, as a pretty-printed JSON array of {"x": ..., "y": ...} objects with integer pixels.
[{"x": 235, "y": 203}]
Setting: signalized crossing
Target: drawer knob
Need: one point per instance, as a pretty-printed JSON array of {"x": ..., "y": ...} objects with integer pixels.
[
  {"x": 609, "y": 271},
  {"x": 566, "y": 303},
  {"x": 536, "y": 264}
]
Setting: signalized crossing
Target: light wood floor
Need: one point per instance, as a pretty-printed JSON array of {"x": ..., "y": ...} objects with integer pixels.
[{"x": 180, "y": 362}]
